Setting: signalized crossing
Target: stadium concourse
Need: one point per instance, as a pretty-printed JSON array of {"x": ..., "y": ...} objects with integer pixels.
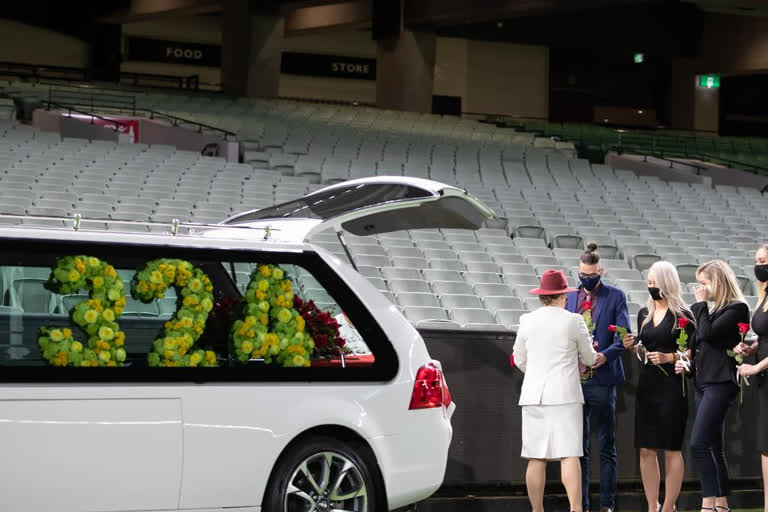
[{"x": 442, "y": 279}]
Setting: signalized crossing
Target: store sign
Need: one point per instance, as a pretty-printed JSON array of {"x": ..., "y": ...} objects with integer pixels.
[
  {"x": 173, "y": 52},
  {"x": 311, "y": 64}
]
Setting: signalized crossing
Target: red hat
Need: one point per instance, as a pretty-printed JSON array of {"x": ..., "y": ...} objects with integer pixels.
[{"x": 553, "y": 282}]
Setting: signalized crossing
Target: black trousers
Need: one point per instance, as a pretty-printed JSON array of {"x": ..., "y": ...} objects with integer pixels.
[{"x": 708, "y": 436}]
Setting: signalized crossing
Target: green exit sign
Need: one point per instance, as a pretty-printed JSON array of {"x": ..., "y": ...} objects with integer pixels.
[
  {"x": 709, "y": 81},
  {"x": 639, "y": 58}
]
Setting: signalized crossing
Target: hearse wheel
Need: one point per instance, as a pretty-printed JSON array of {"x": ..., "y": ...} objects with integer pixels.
[{"x": 322, "y": 475}]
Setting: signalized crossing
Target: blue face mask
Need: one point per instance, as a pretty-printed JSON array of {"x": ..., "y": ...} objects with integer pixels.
[{"x": 589, "y": 283}]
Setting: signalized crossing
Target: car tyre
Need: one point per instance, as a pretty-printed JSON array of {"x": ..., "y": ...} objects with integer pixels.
[{"x": 323, "y": 473}]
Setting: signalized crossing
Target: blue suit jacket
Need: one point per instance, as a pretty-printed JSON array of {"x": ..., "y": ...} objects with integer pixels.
[{"x": 611, "y": 310}]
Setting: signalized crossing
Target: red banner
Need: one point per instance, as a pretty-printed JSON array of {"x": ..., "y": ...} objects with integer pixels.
[{"x": 129, "y": 127}]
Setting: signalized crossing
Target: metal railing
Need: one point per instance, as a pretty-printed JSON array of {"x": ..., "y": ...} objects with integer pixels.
[
  {"x": 94, "y": 100},
  {"x": 90, "y": 102},
  {"x": 93, "y": 116},
  {"x": 40, "y": 72},
  {"x": 176, "y": 121}
]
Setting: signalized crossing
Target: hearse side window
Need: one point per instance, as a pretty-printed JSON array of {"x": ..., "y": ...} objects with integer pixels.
[{"x": 172, "y": 312}]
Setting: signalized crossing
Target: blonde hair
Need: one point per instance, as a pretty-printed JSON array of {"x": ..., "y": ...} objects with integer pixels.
[
  {"x": 668, "y": 281},
  {"x": 725, "y": 287},
  {"x": 761, "y": 287}
]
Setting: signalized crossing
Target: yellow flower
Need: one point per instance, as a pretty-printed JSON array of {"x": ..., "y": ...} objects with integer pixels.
[
  {"x": 247, "y": 347},
  {"x": 76, "y": 347},
  {"x": 143, "y": 286},
  {"x": 93, "y": 262},
  {"x": 183, "y": 351},
  {"x": 79, "y": 265},
  {"x": 91, "y": 316},
  {"x": 56, "y": 335},
  {"x": 264, "y": 306},
  {"x": 66, "y": 332},
  {"x": 195, "y": 285},
  {"x": 74, "y": 276},
  {"x": 298, "y": 360},
  {"x": 207, "y": 304},
  {"x": 98, "y": 282},
  {"x": 195, "y": 359},
  {"x": 168, "y": 354},
  {"x": 284, "y": 315},
  {"x": 119, "y": 342},
  {"x": 108, "y": 315},
  {"x": 277, "y": 273},
  {"x": 263, "y": 285},
  {"x": 265, "y": 270},
  {"x": 263, "y": 320},
  {"x": 104, "y": 356},
  {"x": 186, "y": 322},
  {"x": 106, "y": 333},
  {"x": 109, "y": 271},
  {"x": 156, "y": 277},
  {"x": 120, "y": 336},
  {"x": 300, "y": 323},
  {"x": 210, "y": 357},
  {"x": 120, "y": 355},
  {"x": 170, "y": 343}
]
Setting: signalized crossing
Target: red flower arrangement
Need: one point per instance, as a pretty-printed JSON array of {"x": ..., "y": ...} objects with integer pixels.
[{"x": 322, "y": 328}]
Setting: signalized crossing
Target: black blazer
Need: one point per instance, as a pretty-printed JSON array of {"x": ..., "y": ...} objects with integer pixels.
[{"x": 716, "y": 333}]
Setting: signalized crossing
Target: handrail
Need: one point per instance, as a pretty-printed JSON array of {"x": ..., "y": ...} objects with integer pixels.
[
  {"x": 92, "y": 99},
  {"x": 53, "y": 72},
  {"x": 176, "y": 120},
  {"x": 733, "y": 164},
  {"x": 71, "y": 109}
]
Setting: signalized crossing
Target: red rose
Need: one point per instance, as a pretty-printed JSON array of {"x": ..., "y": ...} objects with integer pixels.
[
  {"x": 682, "y": 322},
  {"x": 612, "y": 328},
  {"x": 512, "y": 360},
  {"x": 743, "y": 328},
  {"x": 587, "y": 306}
]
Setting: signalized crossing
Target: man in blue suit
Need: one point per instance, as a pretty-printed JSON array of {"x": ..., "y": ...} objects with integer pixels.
[{"x": 608, "y": 307}]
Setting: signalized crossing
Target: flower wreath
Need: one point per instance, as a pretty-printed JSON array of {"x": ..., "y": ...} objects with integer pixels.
[
  {"x": 97, "y": 316},
  {"x": 271, "y": 327},
  {"x": 323, "y": 328},
  {"x": 175, "y": 346}
]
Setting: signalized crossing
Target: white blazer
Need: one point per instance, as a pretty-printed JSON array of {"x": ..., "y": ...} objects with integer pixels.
[{"x": 549, "y": 341}]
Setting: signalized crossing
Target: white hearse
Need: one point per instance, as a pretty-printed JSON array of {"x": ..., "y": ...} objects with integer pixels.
[{"x": 145, "y": 371}]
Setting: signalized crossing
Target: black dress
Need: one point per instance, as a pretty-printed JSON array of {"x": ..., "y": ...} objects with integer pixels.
[
  {"x": 661, "y": 410},
  {"x": 760, "y": 326}
]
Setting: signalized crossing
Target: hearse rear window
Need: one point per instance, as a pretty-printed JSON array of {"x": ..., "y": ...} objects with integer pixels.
[{"x": 150, "y": 314}]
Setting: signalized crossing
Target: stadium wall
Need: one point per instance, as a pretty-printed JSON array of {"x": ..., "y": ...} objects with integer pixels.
[
  {"x": 27, "y": 44},
  {"x": 489, "y": 77},
  {"x": 189, "y": 29}
]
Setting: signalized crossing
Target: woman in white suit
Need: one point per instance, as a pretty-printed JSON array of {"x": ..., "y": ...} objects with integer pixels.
[{"x": 549, "y": 342}]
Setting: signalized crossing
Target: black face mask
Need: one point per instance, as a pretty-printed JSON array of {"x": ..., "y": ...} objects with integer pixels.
[
  {"x": 655, "y": 293},
  {"x": 761, "y": 273}
]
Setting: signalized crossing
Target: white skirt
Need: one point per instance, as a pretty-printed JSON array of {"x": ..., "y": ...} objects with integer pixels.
[{"x": 553, "y": 432}]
